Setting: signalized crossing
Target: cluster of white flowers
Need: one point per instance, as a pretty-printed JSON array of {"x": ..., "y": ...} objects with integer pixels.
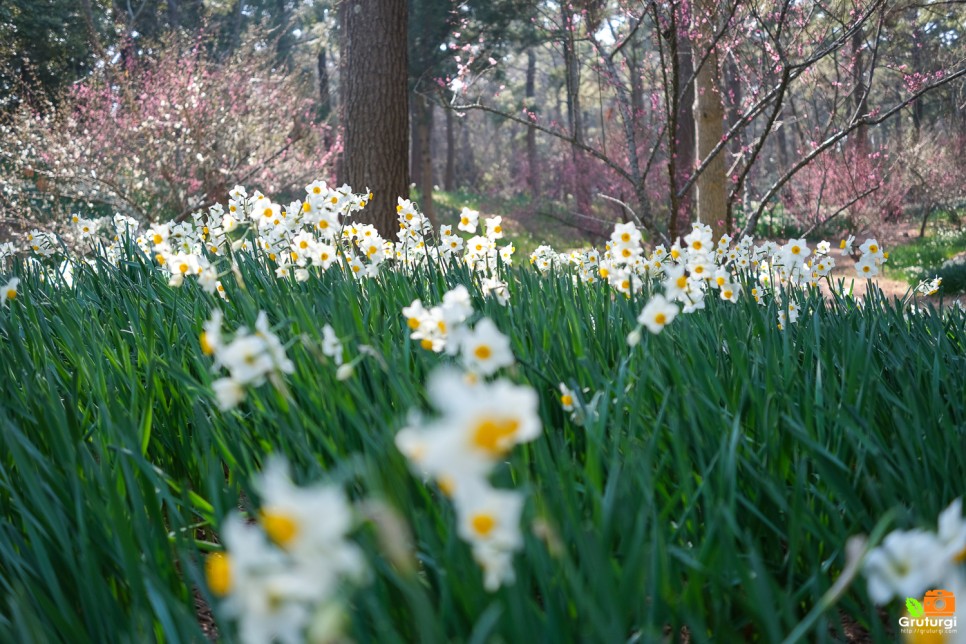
[
  {"x": 482, "y": 349},
  {"x": 250, "y": 358},
  {"x": 929, "y": 287},
  {"x": 689, "y": 271},
  {"x": 441, "y": 327},
  {"x": 283, "y": 578},
  {"x": 479, "y": 422},
  {"x": 314, "y": 234},
  {"x": 909, "y": 562}
]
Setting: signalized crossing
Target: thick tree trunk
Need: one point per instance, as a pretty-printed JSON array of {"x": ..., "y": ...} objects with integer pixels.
[
  {"x": 533, "y": 163},
  {"x": 375, "y": 106},
  {"x": 712, "y": 186}
]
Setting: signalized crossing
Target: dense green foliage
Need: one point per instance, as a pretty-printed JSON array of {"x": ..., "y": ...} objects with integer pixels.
[{"x": 711, "y": 494}]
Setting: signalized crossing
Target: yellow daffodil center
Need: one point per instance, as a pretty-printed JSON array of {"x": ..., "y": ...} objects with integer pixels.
[
  {"x": 660, "y": 318},
  {"x": 12, "y": 294},
  {"x": 158, "y": 239},
  {"x": 317, "y": 190},
  {"x": 493, "y": 435},
  {"x": 218, "y": 573},
  {"x": 412, "y": 323},
  {"x": 483, "y": 524},
  {"x": 566, "y": 400},
  {"x": 696, "y": 244},
  {"x": 446, "y": 485},
  {"x": 728, "y": 294},
  {"x": 842, "y": 244},
  {"x": 280, "y": 527},
  {"x": 482, "y": 352},
  {"x": 873, "y": 249},
  {"x": 796, "y": 250},
  {"x": 426, "y": 343},
  {"x": 206, "y": 347},
  {"x": 626, "y": 237},
  {"x": 682, "y": 281}
]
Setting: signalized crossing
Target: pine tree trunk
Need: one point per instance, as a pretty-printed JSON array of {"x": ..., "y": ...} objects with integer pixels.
[
  {"x": 712, "y": 186},
  {"x": 375, "y": 106}
]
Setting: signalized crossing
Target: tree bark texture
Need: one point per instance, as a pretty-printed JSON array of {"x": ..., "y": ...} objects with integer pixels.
[
  {"x": 712, "y": 186},
  {"x": 375, "y": 106}
]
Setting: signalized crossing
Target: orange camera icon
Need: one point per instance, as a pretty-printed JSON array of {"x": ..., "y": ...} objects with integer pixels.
[{"x": 939, "y": 603}]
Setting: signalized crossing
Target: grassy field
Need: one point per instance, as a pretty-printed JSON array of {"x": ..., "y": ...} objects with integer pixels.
[{"x": 703, "y": 487}]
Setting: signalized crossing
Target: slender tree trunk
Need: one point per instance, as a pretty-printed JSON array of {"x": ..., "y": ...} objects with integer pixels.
[
  {"x": 174, "y": 14},
  {"x": 415, "y": 143},
  {"x": 467, "y": 167},
  {"x": 449, "y": 178},
  {"x": 637, "y": 85},
  {"x": 375, "y": 105},
  {"x": 325, "y": 98},
  {"x": 859, "y": 96},
  {"x": 684, "y": 136},
  {"x": 533, "y": 167},
  {"x": 423, "y": 159},
  {"x": 92, "y": 35},
  {"x": 574, "y": 114},
  {"x": 737, "y": 142},
  {"x": 712, "y": 186}
]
